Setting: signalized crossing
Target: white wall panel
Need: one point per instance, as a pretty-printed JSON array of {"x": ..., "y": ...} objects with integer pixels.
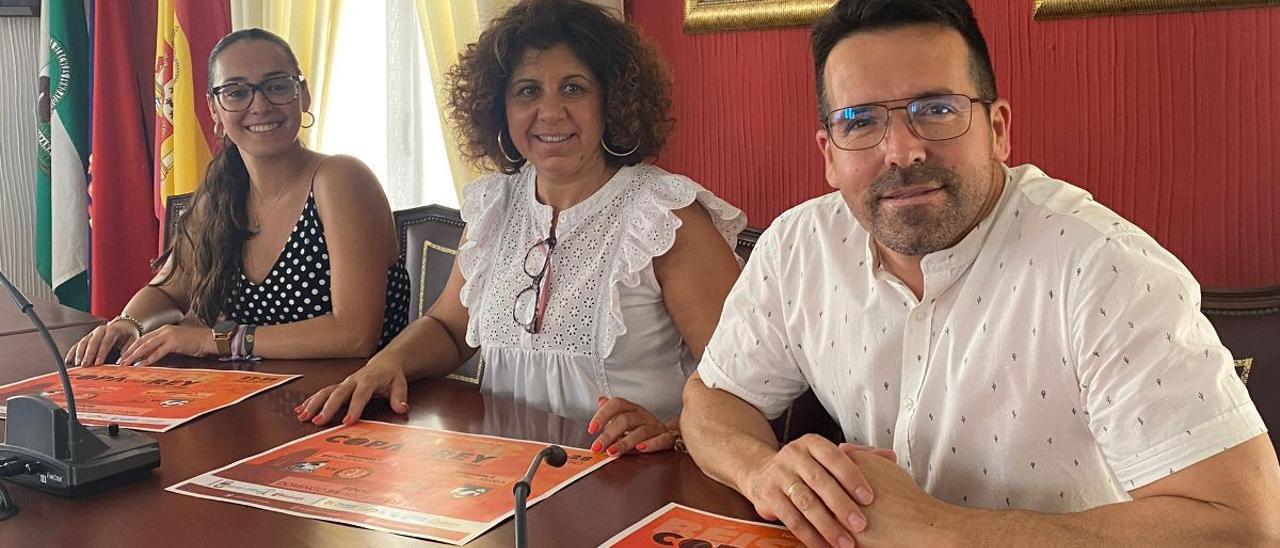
[{"x": 18, "y": 37}]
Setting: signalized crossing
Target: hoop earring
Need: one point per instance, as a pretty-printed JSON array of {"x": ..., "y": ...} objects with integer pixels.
[
  {"x": 313, "y": 118},
  {"x": 503, "y": 150},
  {"x": 218, "y": 131},
  {"x": 615, "y": 153}
]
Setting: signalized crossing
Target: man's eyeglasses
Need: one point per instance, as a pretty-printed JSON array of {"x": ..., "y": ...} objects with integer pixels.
[
  {"x": 238, "y": 96},
  {"x": 932, "y": 118},
  {"x": 531, "y": 303}
]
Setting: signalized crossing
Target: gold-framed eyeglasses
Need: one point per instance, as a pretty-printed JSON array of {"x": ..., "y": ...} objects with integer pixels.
[
  {"x": 238, "y": 96},
  {"x": 931, "y": 118}
]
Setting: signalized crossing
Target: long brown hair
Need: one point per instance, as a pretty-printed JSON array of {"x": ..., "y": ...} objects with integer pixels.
[{"x": 210, "y": 253}]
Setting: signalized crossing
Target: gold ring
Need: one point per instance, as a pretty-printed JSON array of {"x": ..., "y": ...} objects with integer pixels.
[{"x": 791, "y": 488}]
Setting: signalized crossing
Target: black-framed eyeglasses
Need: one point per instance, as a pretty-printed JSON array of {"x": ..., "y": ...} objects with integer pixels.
[
  {"x": 531, "y": 303},
  {"x": 238, "y": 96},
  {"x": 932, "y": 118}
]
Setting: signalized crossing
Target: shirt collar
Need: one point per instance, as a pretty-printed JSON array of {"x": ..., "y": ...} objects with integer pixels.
[
  {"x": 942, "y": 268},
  {"x": 572, "y": 217}
]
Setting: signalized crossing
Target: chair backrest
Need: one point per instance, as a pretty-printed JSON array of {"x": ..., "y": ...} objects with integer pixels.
[
  {"x": 747, "y": 242},
  {"x": 429, "y": 237},
  {"x": 1248, "y": 323},
  {"x": 174, "y": 207}
]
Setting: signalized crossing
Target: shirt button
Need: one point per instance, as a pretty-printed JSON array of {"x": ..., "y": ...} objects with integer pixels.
[{"x": 920, "y": 316}]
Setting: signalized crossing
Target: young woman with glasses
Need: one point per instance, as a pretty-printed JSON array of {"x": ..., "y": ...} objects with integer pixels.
[
  {"x": 285, "y": 253},
  {"x": 589, "y": 280}
]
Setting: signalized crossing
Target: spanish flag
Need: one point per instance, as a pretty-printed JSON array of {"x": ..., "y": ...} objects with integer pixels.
[{"x": 186, "y": 30}]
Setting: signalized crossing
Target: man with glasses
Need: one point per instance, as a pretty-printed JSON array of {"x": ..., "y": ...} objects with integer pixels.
[{"x": 1037, "y": 365}]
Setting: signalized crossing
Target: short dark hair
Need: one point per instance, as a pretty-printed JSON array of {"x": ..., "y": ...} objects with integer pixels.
[
  {"x": 637, "y": 89},
  {"x": 849, "y": 17}
]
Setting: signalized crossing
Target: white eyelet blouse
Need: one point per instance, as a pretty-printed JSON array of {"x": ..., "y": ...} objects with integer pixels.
[{"x": 605, "y": 330}]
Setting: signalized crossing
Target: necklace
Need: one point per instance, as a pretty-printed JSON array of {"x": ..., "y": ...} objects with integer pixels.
[{"x": 257, "y": 221}]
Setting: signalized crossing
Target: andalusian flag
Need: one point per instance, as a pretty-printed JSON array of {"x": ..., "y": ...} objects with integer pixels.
[
  {"x": 62, "y": 200},
  {"x": 184, "y": 141}
]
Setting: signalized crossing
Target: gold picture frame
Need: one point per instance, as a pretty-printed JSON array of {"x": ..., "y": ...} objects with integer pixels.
[
  {"x": 1046, "y": 10},
  {"x": 702, "y": 16}
]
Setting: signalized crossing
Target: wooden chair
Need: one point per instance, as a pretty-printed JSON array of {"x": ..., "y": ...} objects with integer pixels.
[
  {"x": 1248, "y": 323},
  {"x": 429, "y": 237},
  {"x": 174, "y": 207},
  {"x": 747, "y": 242}
]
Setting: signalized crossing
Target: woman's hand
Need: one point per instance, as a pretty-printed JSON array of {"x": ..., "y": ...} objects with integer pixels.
[
  {"x": 382, "y": 376},
  {"x": 169, "y": 339},
  {"x": 94, "y": 348},
  {"x": 624, "y": 425}
]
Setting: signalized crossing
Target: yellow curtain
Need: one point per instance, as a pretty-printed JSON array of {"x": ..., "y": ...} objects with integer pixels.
[
  {"x": 310, "y": 27},
  {"x": 447, "y": 28}
]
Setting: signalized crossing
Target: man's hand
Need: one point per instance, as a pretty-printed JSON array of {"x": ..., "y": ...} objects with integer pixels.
[
  {"x": 815, "y": 489},
  {"x": 903, "y": 514}
]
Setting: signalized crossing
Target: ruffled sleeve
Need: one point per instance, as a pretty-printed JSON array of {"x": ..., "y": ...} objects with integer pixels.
[
  {"x": 650, "y": 231},
  {"x": 484, "y": 202}
]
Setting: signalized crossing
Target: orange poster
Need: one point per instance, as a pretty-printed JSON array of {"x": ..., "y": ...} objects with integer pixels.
[
  {"x": 415, "y": 481},
  {"x": 155, "y": 399},
  {"x": 677, "y": 525}
]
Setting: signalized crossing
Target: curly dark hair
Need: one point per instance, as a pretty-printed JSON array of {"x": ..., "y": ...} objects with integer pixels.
[{"x": 637, "y": 89}]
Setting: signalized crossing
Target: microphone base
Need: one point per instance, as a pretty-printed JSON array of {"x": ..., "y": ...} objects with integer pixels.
[{"x": 35, "y": 431}]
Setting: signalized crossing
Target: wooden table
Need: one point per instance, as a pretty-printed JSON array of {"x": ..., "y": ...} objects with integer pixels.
[
  {"x": 54, "y": 315},
  {"x": 586, "y": 513}
]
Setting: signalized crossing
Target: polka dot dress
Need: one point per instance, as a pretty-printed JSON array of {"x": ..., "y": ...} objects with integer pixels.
[{"x": 298, "y": 286}]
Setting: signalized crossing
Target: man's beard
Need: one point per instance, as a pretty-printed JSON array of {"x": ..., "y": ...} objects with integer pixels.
[{"x": 919, "y": 230}]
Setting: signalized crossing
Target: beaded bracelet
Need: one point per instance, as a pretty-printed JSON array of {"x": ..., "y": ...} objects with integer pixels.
[{"x": 127, "y": 318}]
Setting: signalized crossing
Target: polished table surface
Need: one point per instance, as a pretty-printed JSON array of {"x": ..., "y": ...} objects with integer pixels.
[
  {"x": 586, "y": 513},
  {"x": 54, "y": 316}
]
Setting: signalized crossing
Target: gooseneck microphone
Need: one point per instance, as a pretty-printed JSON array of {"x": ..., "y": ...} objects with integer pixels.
[
  {"x": 46, "y": 448},
  {"x": 25, "y": 306},
  {"x": 555, "y": 457}
]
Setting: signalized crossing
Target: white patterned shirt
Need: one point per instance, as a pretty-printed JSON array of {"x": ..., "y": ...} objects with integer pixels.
[
  {"x": 606, "y": 330},
  {"x": 1057, "y": 360}
]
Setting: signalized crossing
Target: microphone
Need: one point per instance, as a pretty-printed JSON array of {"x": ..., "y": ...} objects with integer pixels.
[
  {"x": 555, "y": 457},
  {"x": 47, "y": 449}
]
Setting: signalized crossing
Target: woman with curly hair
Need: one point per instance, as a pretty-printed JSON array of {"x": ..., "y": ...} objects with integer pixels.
[{"x": 589, "y": 280}]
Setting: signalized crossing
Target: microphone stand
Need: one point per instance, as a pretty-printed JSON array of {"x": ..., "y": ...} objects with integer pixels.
[
  {"x": 48, "y": 449},
  {"x": 555, "y": 457},
  {"x": 73, "y": 422}
]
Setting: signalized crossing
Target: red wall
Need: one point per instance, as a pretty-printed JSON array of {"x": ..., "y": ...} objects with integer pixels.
[{"x": 1171, "y": 120}]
